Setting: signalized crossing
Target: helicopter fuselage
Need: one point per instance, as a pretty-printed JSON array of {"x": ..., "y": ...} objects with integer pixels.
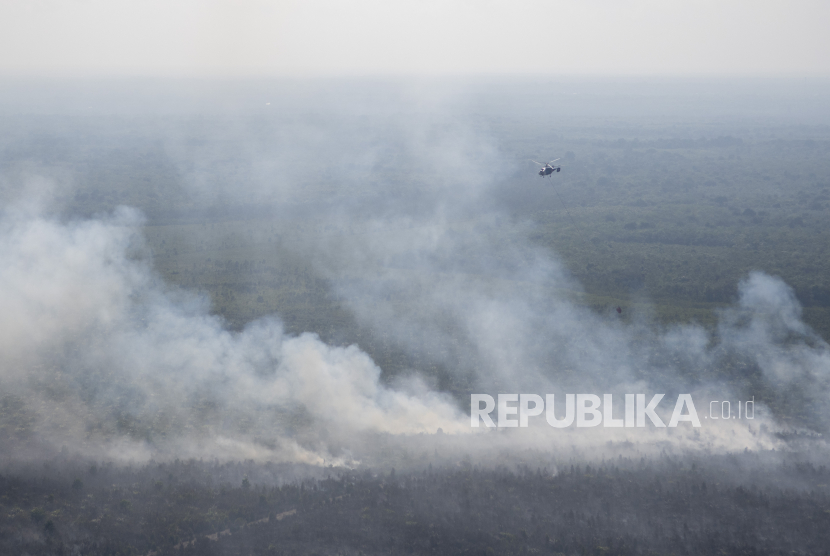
[{"x": 548, "y": 170}]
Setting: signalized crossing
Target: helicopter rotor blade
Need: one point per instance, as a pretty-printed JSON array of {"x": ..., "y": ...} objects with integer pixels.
[
  {"x": 539, "y": 163},
  {"x": 554, "y": 160}
]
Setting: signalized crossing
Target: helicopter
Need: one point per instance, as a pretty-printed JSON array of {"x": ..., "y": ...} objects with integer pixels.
[{"x": 547, "y": 168}]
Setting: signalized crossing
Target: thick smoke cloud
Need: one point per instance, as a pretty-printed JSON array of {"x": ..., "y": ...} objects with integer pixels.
[
  {"x": 111, "y": 362},
  {"x": 100, "y": 355}
]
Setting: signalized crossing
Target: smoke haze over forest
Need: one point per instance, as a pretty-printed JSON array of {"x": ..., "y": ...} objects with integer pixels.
[
  {"x": 258, "y": 259},
  {"x": 404, "y": 209}
]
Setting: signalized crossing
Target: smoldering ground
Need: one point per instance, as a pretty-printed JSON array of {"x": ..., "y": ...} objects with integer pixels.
[{"x": 394, "y": 201}]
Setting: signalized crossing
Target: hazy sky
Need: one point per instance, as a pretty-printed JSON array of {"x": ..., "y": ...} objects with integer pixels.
[{"x": 354, "y": 37}]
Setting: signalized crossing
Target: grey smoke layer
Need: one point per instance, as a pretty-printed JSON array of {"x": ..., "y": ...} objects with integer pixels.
[
  {"x": 98, "y": 354},
  {"x": 107, "y": 360}
]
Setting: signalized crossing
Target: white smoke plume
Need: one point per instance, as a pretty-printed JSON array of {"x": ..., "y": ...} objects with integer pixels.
[
  {"x": 109, "y": 361},
  {"x": 405, "y": 223}
]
